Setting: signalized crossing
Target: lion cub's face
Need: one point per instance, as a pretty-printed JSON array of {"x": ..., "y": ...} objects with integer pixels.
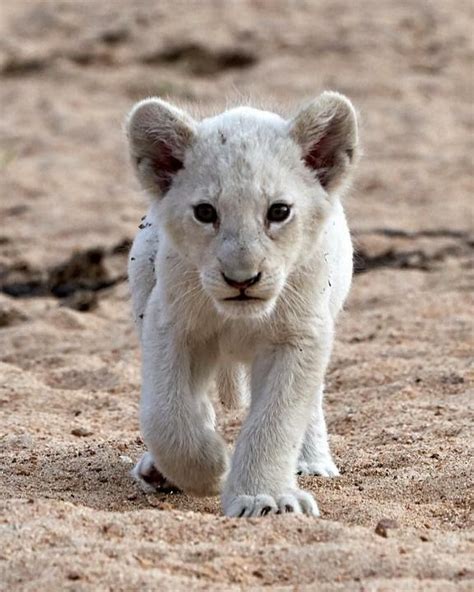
[{"x": 244, "y": 194}]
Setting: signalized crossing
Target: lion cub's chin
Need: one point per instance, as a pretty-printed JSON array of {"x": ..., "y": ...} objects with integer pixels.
[{"x": 242, "y": 309}]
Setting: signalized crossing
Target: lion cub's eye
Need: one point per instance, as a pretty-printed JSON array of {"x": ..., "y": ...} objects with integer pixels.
[
  {"x": 278, "y": 212},
  {"x": 205, "y": 213}
]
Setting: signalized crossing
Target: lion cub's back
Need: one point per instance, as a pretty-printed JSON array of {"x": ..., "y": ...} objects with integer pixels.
[{"x": 141, "y": 268}]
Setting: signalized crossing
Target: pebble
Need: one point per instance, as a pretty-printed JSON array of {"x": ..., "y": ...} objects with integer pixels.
[
  {"x": 384, "y": 526},
  {"x": 81, "y": 432}
]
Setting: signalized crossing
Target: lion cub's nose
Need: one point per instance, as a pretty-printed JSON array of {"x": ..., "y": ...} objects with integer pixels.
[{"x": 243, "y": 285}]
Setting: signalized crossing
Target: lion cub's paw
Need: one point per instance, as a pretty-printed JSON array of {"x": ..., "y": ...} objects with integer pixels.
[
  {"x": 149, "y": 478},
  {"x": 324, "y": 467},
  {"x": 294, "y": 501}
]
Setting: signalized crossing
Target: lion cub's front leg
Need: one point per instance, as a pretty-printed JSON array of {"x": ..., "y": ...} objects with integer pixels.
[
  {"x": 177, "y": 418},
  {"x": 262, "y": 478}
]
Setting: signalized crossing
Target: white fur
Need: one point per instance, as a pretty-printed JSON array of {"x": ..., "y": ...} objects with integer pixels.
[{"x": 241, "y": 162}]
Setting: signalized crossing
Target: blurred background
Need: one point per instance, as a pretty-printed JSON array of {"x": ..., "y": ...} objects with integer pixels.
[
  {"x": 70, "y": 71},
  {"x": 398, "y": 392}
]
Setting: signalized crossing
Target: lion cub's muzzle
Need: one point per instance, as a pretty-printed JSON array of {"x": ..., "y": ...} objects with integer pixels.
[
  {"x": 241, "y": 294},
  {"x": 242, "y": 286}
]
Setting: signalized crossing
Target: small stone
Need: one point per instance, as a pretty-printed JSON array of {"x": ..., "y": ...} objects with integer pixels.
[
  {"x": 384, "y": 526},
  {"x": 73, "y": 575},
  {"x": 113, "y": 529},
  {"x": 81, "y": 432},
  {"x": 81, "y": 300},
  {"x": 165, "y": 507},
  {"x": 159, "y": 504},
  {"x": 153, "y": 501},
  {"x": 143, "y": 561},
  {"x": 452, "y": 378}
]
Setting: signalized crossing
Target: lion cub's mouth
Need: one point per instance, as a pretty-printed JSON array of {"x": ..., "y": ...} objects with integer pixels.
[{"x": 241, "y": 297}]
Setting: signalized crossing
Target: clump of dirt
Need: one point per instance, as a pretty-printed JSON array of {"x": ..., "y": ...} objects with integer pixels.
[
  {"x": 76, "y": 280},
  {"x": 201, "y": 60},
  {"x": 425, "y": 250}
]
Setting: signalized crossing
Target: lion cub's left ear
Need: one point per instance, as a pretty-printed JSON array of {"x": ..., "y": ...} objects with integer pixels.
[{"x": 326, "y": 131}]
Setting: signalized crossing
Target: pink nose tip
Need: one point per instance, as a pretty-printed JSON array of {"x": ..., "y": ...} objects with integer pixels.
[{"x": 244, "y": 284}]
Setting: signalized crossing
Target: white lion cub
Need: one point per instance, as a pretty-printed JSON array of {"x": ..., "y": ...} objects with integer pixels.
[{"x": 237, "y": 274}]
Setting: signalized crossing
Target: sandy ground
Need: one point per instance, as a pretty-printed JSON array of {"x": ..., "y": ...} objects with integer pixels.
[{"x": 399, "y": 391}]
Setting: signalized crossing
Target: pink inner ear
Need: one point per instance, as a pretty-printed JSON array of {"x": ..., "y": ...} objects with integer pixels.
[
  {"x": 313, "y": 159},
  {"x": 320, "y": 158},
  {"x": 165, "y": 166}
]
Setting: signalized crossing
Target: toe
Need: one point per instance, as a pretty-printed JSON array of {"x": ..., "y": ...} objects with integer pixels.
[
  {"x": 264, "y": 504},
  {"x": 288, "y": 504},
  {"x": 241, "y": 507}
]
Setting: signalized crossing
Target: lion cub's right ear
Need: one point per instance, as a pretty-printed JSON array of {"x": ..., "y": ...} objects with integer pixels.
[{"x": 158, "y": 135}]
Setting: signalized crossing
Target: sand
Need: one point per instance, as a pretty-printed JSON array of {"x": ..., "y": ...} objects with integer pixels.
[{"x": 399, "y": 390}]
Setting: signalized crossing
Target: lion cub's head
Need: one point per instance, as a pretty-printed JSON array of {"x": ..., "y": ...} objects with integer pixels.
[{"x": 242, "y": 195}]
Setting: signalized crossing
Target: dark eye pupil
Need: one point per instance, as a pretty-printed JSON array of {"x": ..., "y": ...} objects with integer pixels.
[
  {"x": 205, "y": 213},
  {"x": 278, "y": 213}
]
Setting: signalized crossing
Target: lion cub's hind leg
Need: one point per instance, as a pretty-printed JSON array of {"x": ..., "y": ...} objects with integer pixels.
[
  {"x": 233, "y": 385},
  {"x": 315, "y": 456}
]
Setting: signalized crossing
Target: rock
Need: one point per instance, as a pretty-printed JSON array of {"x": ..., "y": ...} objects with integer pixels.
[
  {"x": 384, "y": 526},
  {"x": 81, "y": 432}
]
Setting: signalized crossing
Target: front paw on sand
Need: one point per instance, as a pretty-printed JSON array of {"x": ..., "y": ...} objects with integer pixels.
[{"x": 295, "y": 501}]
